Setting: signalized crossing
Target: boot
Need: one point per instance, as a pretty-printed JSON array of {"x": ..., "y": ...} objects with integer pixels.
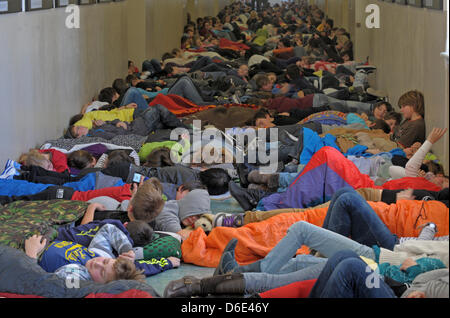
[
  {"x": 271, "y": 180},
  {"x": 189, "y": 286},
  {"x": 248, "y": 199},
  {"x": 242, "y": 172}
]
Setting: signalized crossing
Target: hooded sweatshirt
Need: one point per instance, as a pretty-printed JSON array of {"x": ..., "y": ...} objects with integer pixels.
[{"x": 196, "y": 202}]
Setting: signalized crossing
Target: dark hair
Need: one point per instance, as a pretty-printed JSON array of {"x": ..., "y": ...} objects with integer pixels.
[
  {"x": 79, "y": 159},
  {"x": 166, "y": 56},
  {"x": 330, "y": 22},
  {"x": 140, "y": 232},
  {"x": 168, "y": 68},
  {"x": 216, "y": 180},
  {"x": 388, "y": 105},
  {"x": 293, "y": 71},
  {"x": 130, "y": 78},
  {"x": 395, "y": 116},
  {"x": 120, "y": 85},
  {"x": 262, "y": 113},
  {"x": 119, "y": 156},
  {"x": 381, "y": 124},
  {"x": 106, "y": 95},
  {"x": 75, "y": 118},
  {"x": 159, "y": 157},
  {"x": 192, "y": 186}
]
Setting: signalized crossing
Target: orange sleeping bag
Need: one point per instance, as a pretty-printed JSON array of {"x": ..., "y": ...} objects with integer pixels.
[{"x": 257, "y": 239}]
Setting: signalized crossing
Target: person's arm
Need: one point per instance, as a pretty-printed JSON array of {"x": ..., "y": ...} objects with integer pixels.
[
  {"x": 155, "y": 266},
  {"x": 34, "y": 245},
  {"x": 168, "y": 220},
  {"x": 110, "y": 238},
  {"x": 90, "y": 211},
  {"x": 413, "y": 166}
]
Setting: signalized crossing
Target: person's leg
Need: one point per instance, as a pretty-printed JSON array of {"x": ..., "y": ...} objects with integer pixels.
[
  {"x": 200, "y": 63},
  {"x": 336, "y": 195},
  {"x": 346, "y": 275},
  {"x": 260, "y": 282},
  {"x": 351, "y": 216},
  {"x": 51, "y": 193},
  {"x": 133, "y": 95},
  {"x": 184, "y": 87}
]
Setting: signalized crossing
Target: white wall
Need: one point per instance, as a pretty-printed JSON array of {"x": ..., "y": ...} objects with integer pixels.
[{"x": 48, "y": 71}]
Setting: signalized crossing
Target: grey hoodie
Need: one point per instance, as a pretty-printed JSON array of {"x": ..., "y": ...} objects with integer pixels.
[{"x": 196, "y": 202}]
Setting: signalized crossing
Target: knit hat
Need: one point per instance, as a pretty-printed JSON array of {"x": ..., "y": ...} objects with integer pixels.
[{"x": 195, "y": 202}]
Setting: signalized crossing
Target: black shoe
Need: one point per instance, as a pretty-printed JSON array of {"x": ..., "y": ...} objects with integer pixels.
[
  {"x": 242, "y": 172},
  {"x": 247, "y": 198}
]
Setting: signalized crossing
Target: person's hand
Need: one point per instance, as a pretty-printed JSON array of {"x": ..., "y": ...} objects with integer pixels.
[
  {"x": 97, "y": 206},
  {"x": 130, "y": 255},
  {"x": 184, "y": 233},
  {"x": 406, "y": 195},
  {"x": 283, "y": 114},
  {"x": 175, "y": 261},
  {"x": 131, "y": 105},
  {"x": 407, "y": 263},
  {"x": 364, "y": 116},
  {"x": 300, "y": 94},
  {"x": 98, "y": 122},
  {"x": 436, "y": 134},
  {"x": 421, "y": 173},
  {"x": 34, "y": 245},
  {"x": 416, "y": 294},
  {"x": 122, "y": 124},
  {"x": 135, "y": 186}
]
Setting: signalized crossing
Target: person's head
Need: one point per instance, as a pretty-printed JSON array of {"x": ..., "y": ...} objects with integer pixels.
[
  {"x": 118, "y": 156},
  {"x": 381, "y": 124},
  {"x": 216, "y": 180},
  {"x": 193, "y": 205},
  {"x": 120, "y": 85},
  {"x": 243, "y": 70},
  {"x": 105, "y": 269},
  {"x": 132, "y": 80},
  {"x": 109, "y": 94},
  {"x": 293, "y": 72},
  {"x": 80, "y": 159},
  {"x": 140, "y": 232},
  {"x": 262, "y": 119},
  {"x": 36, "y": 158},
  {"x": 380, "y": 109},
  {"x": 147, "y": 203},
  {"x": 76, "y": 131},
  {"x": 273, "y": 77},
  {"x": 159, "y": 157},
  {"x": 263, "y": 82},
  {"x": 185, "y": 188},
  {"x": 440, "y": 180},
  {"x": 412, "y": 103},
  {"x": 393, "y": 119}
]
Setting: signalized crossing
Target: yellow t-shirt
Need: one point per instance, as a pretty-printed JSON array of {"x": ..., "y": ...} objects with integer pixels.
[{"x": 105, "y": 115}]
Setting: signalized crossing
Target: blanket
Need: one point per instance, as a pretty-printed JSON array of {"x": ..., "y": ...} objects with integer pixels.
[
  {"x": 256, "y": 240},
  {"x": 22, "y": 219}
]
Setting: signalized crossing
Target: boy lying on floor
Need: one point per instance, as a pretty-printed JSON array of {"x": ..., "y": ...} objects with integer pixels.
[{"x": 97, "y": 261}]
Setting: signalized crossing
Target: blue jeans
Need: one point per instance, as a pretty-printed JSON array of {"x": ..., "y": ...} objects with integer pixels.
[
  {"x": 159, "y": 117},
  {"x": 133, "y": 95},
  {"x": 346, "y": 275},
  {"x": 184, "y": 87},
  {"x": 153, "y": 66},
  {"x": 351, "y": 216}
]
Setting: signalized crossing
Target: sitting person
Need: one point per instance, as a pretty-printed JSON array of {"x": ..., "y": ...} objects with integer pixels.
[{"x": 412, "y": 129}]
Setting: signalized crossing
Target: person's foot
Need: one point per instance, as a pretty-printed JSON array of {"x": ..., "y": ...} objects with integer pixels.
[
  {"x": 271, "y": 180},
  {"x": 228, "y": 220},
  {"x": 247, "y": 199},
  {"x": 11, "y": 170},
  {"x": 185, "y": 287},
  {"x": 242, "y": 172},
  {"x": 227, "y": 261}
]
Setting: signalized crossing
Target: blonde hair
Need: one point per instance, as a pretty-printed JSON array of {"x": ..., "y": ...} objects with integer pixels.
[
  {"x": 125, "y": 269},
  {"x": 415, "y": 99},
  {"x": 147, "y": 203},
  {"x": 33, "y": 158}
]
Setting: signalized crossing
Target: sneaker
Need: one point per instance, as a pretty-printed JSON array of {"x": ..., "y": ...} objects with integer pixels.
[
  {"x": 367, "y": 68},
  {"x": 228, "y": 220},
  {"x": 11, "y": 170}
]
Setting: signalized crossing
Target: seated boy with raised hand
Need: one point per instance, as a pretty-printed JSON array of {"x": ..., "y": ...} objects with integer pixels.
[{"x": 183, "y": 212}]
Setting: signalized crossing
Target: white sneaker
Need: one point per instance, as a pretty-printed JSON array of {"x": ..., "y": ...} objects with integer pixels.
[{"x": 11, "y": 170}]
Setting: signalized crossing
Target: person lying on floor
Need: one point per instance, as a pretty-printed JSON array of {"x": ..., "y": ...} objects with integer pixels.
[
  {"x": 349, "y": 215},
  {"x": 97, "y": 261},
  {"x": 124, "y": 122}
]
